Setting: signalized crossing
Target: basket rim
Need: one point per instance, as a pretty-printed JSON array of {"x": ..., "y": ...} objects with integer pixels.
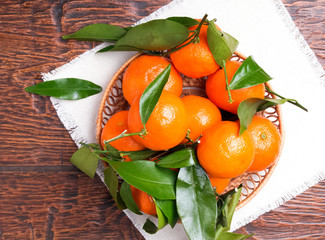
[{"x": 261, "y": 184}]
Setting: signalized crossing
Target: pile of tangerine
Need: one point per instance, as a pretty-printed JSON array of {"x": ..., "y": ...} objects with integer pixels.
[{"x": 221, "y": 151}]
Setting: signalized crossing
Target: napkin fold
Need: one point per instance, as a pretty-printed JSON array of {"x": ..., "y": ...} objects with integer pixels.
[{"x": 266, "y": 31}]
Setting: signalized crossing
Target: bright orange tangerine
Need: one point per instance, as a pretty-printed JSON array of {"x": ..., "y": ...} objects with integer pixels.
[
  {"x": 201, "y": 114},
  {"x": 216, "y": 89},
  {"x": 142, "y": 71},
  {"x": 220, "y": 184},
  {"x": 267, "y": 140},
  {"x": 167, "y": 125},
  {"x": 223, "y": 153},
  {"x": 195, "y": 60},
  {"x": 144, "y": 201},
  {"x": 117, "y": 124}
]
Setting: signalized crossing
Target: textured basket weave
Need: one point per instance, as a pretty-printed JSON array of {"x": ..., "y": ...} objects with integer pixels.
[{"x": 113, "y": 101}]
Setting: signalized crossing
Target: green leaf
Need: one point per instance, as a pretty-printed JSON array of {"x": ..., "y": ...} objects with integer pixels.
[
  {"x": 146, "y": 176},
  {"x": 111, "y": 181},
  {"x": 233, "y": 236},
  {"x": 221, "y": 44},
  {"x": 105, "y": 49},
  {"x": 97, "y": 32},
  {"x": 155, "y": 35},
  {"x": 85, "y": 160},
  {"x": 162, "y": 220},
  {"x": 151, "y": 94},
  {"x": 231, "y": 207},
  {"x": 140, "y": 155},
  {"x": 168, "y": 207},
  {"x": 232, "y": 204},
  {"x": 117, "y": 48},
  {"x": 182, "y": 158},
  {"x": 248, "y": 74},
  {"x": 247, "y": 109},
  {"x": 150, "y": 227},
  {"x": 186, "y": 21},
  {"x": 127, "y": 197},
  {"x": 196, "y": 203},
  {"x": 65, "y": 88},
  {"x": 112, "y": 151}
]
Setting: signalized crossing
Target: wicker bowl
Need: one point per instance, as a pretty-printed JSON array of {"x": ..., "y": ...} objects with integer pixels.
[{"x": 113, "y": 101}]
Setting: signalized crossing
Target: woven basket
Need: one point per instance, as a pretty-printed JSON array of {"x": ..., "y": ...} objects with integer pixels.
[{"x": 113, "y": 101}]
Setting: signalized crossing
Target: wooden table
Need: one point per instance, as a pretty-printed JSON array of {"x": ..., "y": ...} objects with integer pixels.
[{"x": 42, "y": 196}]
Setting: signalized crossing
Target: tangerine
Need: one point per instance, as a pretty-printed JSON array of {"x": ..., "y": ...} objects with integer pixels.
[
  {"x": 142, "y": 71},
  {"x": 195, "y": 60},
  {"x": 117, "y": 124},
  {"x": 201, "y": 114},
  {"x": 267, "y": 140},
  {"x": 216, "y": 89},
  {"x": 219, "y": 184},
  {"x": 223, "y": 153},
  {"x": 144, "y": 201},
  {"x": 167, "y": 125}
]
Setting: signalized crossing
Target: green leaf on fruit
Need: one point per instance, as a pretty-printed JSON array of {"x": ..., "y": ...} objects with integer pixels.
[
  {"x": 221, "y": 44},
  {"x": 151, "y": 95},
  {"x": 155, "y": 35},
  {"x": 248, "y": 74},
  {"x": 182, "y": 158},
  {"x": 127, "y": 197},
  {"x": 146, "y": 176}
]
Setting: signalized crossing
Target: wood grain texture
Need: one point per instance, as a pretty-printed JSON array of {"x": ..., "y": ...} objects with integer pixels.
[{"x": 41, "y": 195}]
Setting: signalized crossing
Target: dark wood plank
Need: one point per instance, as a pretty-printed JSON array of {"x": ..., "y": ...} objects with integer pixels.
[
  {"x": 41, "y": 195},
  {"x": 41, "y": 205}
]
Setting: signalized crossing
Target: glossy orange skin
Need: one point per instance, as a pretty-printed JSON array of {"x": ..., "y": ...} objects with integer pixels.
[
  {"x": 195, "y": 60},
  {"x": 216, "y": 89},
  {"x": 219, "y": 184},
  {"x": 167, "y": 125},
  {"x": 201, "y": 114},
  {"x": 144, "y": 202},
  {"x": 115, "y": 126},
  {"x": 142, "y": 71},
  {"x": 267, "y": 141},
  {"x": 223, "y": 153}
]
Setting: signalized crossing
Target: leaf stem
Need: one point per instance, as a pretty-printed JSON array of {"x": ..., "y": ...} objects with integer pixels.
[
  {"x": 227, "y": 83},
  {"x": 292, "y": 101},
  {"x": 124, "y": 134},
  {"x": 193, "y": 38}
]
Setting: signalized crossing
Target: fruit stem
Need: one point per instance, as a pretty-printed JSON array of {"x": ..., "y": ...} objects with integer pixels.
[
  {"x": 292, "y": 101},
  {"x": 124, "y": 134},
  {"x": 194, "y": 38},
  {"x": 227, "y": 84}
]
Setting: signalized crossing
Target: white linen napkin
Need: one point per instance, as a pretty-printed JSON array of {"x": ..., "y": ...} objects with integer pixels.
[{"x": 266, "y": 31}]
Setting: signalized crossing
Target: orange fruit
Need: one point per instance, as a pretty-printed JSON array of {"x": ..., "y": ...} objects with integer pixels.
[
  {"x": 142, "y": 71},
  {"x": 219, "y": 184},
  {"x": 144, "y": 201},
  {"x": 216, "y": 89},
  {"x": 195, "y": 60},
  {"x": 167, "y": 125},
  {"x": 223, "y": 153},
  {"x": 201, "y": 114},
  {"x": 114, "y": 127},
  {"x": 267, "y": 140}
]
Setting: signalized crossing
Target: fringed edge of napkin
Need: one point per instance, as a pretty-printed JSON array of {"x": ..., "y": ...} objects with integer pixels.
[
  {"x": 280, "y": 200},
  {"x": 302, "y": 43}
]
